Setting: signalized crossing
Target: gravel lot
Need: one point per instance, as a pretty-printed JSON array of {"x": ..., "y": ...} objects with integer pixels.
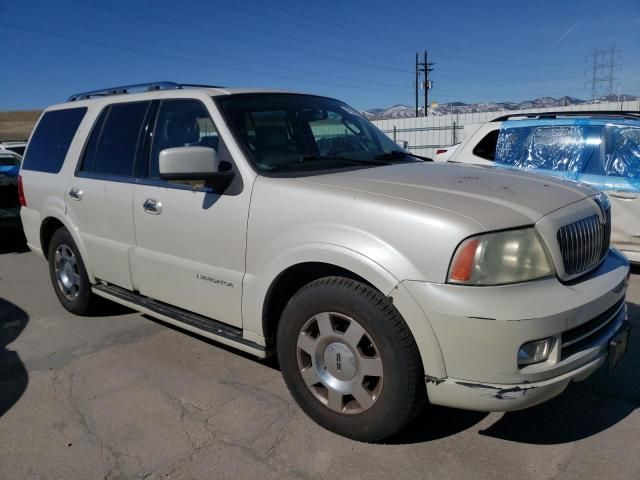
[{"x": 124, "y": 396}]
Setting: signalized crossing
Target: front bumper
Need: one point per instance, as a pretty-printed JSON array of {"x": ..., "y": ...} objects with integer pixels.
[{"x": 480, "y": 329}]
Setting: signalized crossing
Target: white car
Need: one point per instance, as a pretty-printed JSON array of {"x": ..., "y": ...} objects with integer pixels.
[
  {"x": 443, "y": 154},
  {"x": 599, "y": 148},
  {"x": 287, "y": 223},
  {"x": 15, "y": 147}
]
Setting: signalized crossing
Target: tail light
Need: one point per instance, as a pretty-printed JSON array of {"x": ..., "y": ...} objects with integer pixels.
[
  {"x": 441, "y": 150},
  {"x": 21, "y": 197}
]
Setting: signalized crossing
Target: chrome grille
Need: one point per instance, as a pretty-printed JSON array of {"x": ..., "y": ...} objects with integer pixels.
[{"x": 584, "y": 243}]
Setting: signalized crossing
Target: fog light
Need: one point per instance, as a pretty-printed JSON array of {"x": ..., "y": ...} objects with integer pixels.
[{"x": 534, "y": 352}]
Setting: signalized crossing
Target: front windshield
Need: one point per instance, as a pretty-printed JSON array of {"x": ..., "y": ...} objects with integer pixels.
[{"x": 290, "y": 133}]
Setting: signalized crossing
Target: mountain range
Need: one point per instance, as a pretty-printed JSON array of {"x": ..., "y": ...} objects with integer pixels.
[{"x": 403, "y": 111}]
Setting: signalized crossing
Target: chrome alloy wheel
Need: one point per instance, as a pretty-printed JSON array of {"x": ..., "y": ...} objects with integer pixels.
[
  {"x": 66, "y": 270},
  {"x": 339, "y": 363}
]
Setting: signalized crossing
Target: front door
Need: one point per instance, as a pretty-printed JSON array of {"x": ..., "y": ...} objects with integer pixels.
[{"x": 190, "y": 239}]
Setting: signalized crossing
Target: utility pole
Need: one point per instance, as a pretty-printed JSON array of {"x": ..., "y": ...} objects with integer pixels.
[
  {"x": 423, "y": 69},
  {"x": 417, "y": 84}
]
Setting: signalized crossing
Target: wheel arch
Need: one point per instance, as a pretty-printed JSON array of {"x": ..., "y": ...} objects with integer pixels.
[{"x": 52, "y": 222}]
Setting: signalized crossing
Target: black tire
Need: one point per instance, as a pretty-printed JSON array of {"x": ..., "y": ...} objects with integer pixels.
[
  {"x": 84, "y": 300},
  {"x": 402, "y": 392}
]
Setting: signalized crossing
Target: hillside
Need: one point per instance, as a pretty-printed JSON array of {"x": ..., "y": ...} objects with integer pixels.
[
  {"x": 403, "y": 111},
  {"x": 17, "y": 125}
]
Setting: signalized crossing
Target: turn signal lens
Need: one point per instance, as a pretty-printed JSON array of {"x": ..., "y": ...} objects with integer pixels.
[{"x": 462, "y": 266}]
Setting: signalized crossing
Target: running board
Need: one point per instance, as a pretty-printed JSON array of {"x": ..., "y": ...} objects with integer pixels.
[{"x": 184, "y": 319}]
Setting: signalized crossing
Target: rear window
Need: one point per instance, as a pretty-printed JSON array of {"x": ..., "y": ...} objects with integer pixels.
[
  {"x": 18, "y": 150},
  {"x": 566, "y": 148},
  {"x": 51, "y": 140}
]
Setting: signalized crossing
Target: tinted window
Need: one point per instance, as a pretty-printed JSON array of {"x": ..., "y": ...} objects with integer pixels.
[
  {"x": 51, "y": 140},
  {"x": 115, "y": 140},
  {"x": 18, "y": 150},
  {"x": 9, "y": 160},
  {"x": 486, "y": 148},
  {"x": 182, "y": 123}
]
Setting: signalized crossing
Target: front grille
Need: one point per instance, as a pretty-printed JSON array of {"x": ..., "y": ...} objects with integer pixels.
[
  {"x": 579, "y": 337},
  {"x": 584, "y": 243}
]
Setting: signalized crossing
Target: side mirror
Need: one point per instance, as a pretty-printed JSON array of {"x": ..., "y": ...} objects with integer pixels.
[
  {"x": 193, "y": 164},
  {"x": 188, "y": 163}
]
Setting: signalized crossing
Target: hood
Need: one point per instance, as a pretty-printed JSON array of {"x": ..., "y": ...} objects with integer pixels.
[{"x": 494, "y": 198}]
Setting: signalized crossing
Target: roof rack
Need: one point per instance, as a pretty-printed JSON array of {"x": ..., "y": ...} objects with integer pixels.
[
  {"x": 587, "y": 113},
  {"x": 136, "y": 87}
]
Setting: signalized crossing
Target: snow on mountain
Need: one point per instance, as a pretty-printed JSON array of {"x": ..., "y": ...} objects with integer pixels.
[{"x": 404, "y": 111}]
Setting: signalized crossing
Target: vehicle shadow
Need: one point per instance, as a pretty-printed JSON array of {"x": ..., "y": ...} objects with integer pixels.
[
  {"x": 13, "y": 374},
  {"x": 583, "y": 410},
  {"x": 12, "y": 240}
]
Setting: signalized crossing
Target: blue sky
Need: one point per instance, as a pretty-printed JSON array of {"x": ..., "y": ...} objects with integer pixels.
[{"x": 361, "y": 51}]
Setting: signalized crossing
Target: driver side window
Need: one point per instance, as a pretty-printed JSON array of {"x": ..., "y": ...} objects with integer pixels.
[{"x": 182, "y": 123}]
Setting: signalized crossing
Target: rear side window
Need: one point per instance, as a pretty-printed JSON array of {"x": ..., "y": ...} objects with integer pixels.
[
  {"x": 115, "y": 140},
  {"x": 51, "y": 140},
  {"x": 566, "y": 148}
]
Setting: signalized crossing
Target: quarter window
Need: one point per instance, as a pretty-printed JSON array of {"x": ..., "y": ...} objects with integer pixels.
[
  {"x": 486, "y": 148},
  {"x": 116, "y": 140},
  {"x": 52, "y": 138}
]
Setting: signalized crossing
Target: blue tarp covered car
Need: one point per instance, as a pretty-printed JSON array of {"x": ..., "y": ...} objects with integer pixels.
[{"x": 602, "y": 152}]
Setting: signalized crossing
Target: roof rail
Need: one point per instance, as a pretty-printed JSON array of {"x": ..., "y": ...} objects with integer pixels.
[
  {"x": 587, "y": 113},
  {"x": 137, "y": 87}
]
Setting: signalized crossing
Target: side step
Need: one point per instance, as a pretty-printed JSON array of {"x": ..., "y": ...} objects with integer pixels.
[{"x": 193, "y": 322}]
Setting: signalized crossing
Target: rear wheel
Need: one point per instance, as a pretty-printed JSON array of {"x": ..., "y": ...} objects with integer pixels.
[
  {"x": 349, "y": 359},
  {"x": 68, "y": 274}
]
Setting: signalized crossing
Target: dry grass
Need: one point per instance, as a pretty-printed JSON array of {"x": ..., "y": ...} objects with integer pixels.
[{"x": 17, "y": 125}]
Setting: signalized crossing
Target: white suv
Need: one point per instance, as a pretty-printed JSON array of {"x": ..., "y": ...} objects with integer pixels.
[{"x": 280, "y": 222}]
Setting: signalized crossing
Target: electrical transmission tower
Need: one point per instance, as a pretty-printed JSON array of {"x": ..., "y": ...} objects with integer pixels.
[
  {"x": 602, "y": 71},
  {"x": 423, "y": 69}
]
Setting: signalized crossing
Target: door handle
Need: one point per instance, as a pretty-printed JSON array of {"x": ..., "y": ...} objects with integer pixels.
[
  {"x": 75, "y": 194},
  {"x": 152, "y": 207},
  {"x": 624, "y": 194}
]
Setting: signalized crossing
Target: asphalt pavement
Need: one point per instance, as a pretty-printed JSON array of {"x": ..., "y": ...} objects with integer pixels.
[{"x": 124, "y": 396}]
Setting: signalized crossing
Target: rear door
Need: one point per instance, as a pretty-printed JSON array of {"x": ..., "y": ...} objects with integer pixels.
[
  {"x": 99, "y": 196},
  {"x": 190, "y": 238}
]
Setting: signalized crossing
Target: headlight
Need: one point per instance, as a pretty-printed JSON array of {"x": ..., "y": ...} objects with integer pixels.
[{"x": 511, "y": 256}]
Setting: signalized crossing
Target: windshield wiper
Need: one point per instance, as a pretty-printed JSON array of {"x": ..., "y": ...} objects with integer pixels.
[
  {"x": 331, "y": 158},
  {"x": 400, "y": 154}
]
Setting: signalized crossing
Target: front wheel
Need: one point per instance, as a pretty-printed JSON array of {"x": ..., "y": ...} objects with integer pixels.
[{"x": 349, "y": 359}]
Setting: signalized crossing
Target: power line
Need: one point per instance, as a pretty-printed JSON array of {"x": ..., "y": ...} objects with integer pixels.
[
  {"x": 184, "y": 59},
  {"x": 173, "y": 45},
  {"x": 193, "y": 27}
]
